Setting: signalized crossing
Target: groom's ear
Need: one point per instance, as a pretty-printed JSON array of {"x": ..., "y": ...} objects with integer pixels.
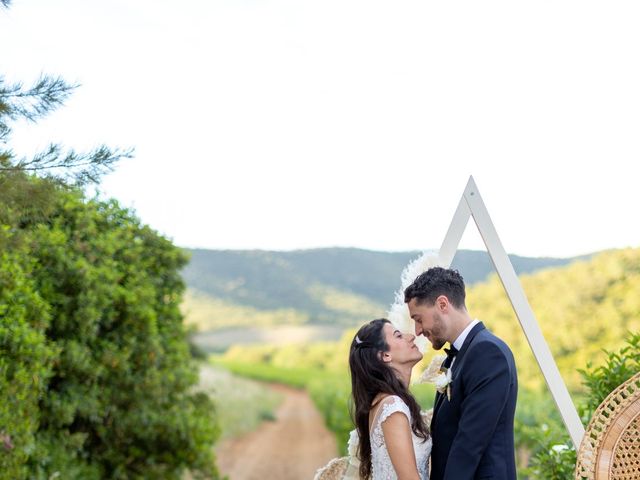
[{"x": 442, "y": 303}]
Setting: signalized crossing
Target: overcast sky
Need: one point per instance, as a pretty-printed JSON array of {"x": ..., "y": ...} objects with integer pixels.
[{"x": 297, "y": 124}]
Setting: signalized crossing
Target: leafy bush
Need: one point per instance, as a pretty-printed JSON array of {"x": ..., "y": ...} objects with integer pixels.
[
  {"x": 617, "y": 369},
  {"x": 25, "y": 356},
  {"x": 94, "y": 354},
  {"x": 555, "y": 456}
]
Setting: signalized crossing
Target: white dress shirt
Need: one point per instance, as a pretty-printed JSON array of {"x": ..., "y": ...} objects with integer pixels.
[{"x": 458, "y": 342}]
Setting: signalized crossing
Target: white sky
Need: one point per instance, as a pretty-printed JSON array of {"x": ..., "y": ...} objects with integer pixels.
[{"x": 295, "y": 124}]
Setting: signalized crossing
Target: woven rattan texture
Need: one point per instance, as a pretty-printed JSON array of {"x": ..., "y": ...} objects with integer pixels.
[{"x": 610, "y": 448}]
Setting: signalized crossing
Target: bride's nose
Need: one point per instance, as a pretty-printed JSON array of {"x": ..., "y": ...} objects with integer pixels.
[{"x": 411, "y": 337}]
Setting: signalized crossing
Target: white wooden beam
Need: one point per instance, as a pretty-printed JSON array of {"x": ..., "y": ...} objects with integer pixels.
[
  {"x": 474, "y": 206},
  {"x": 454, "y": 234}
]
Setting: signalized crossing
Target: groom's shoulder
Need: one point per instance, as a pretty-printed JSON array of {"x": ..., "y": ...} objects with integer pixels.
[
  {"x": 485, "y": 337},
  {"x": 488, "y": 336}
]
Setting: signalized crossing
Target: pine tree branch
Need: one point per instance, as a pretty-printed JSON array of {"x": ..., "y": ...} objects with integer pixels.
[
  {"x": 16, "y": 102},
  {"x": 47, "y": 94},
  {"x": 77, "y": 168}
]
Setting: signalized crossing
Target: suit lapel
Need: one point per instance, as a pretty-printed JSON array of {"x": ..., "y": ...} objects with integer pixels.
[
  {"x": 438, "y": 402},
  {"x": 465, "y": 346},
  {"x": 436, "y": 407}
]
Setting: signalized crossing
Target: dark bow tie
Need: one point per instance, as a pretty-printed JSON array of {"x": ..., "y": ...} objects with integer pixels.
[{"x": 451, "y": 353}]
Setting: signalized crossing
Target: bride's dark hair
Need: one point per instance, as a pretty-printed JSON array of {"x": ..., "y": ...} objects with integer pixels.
[{"x": 371, "y": 376}]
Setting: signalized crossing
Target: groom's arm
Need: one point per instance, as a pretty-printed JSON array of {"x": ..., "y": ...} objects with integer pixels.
[{"x": 487, "y": 379}]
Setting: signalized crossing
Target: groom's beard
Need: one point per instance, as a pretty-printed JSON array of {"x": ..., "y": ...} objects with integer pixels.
[{"x": 436, "y": 336}]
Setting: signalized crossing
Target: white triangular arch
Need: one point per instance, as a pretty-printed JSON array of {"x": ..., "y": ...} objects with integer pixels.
[{"x": 471, "y": 205}]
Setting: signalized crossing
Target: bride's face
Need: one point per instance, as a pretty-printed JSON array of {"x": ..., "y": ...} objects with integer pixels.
[{"x": 402, "y": 349}]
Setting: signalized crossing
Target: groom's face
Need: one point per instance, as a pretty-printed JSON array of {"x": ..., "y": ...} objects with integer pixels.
[{"x": 428, "y": 322}]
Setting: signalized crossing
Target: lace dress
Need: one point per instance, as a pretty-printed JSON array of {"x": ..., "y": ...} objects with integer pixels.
[{"x": 381, "y": 466}]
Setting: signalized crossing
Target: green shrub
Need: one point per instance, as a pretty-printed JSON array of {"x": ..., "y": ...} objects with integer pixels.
[
  {"x": 555, "y": 456},
  {"x": 617, "y": 369},
  {"x": 93, "y": 349},
  {"x": 25, "y": 356}
]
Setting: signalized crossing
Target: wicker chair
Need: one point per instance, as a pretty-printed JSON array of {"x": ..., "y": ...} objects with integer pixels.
[{"x": 610, "y": 448}]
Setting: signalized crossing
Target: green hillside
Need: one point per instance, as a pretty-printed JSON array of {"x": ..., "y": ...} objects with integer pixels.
[
  {"x": 337, "y": 286},
  {"x": 581, "y": 308}
]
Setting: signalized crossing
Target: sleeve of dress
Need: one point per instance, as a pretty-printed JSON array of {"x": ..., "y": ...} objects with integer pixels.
[
  {"x": 386, "y": 408},
  {"x": 391, "y": 405}
]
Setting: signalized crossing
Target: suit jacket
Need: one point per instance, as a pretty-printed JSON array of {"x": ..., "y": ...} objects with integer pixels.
[{"x": 473, "y": 432}]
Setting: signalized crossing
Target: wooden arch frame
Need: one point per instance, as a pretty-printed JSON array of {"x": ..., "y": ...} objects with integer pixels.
[{"x": 471, "y": 205}]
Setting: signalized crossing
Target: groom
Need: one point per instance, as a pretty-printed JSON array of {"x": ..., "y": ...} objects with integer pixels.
[{"x": 472, "y": 425}]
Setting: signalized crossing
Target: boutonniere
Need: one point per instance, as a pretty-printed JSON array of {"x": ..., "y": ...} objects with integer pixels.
[
  {"x": 438, "y": 375},
  {"x": 443, "y": 382}
]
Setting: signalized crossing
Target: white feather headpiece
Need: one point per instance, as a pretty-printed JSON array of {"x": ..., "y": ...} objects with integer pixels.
[{"x": 398, "y": 313}]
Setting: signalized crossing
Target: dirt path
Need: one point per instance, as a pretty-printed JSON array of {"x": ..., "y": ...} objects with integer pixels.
[{"x": 292, "y": 447}]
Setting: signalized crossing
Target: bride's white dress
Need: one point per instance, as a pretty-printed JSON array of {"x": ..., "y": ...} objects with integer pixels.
[{"x": 381, "y": 466}]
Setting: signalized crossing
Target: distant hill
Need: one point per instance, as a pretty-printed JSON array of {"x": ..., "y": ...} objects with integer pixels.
[
  {"x": 336, "y": 286},
  {"x": 581, "y": 309}
]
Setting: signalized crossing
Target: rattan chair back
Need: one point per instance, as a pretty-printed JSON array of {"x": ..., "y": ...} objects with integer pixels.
[{"x": 610, "y": 448}]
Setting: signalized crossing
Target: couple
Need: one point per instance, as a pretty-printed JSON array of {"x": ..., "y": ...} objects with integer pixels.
[{"x": 470, "y": 435}]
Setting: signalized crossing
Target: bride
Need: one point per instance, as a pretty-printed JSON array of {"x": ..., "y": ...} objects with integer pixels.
[{"x": 394, "y": 441}]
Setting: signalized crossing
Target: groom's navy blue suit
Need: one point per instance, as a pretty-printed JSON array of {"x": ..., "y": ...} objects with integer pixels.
[{"x": 473, "y": 432}]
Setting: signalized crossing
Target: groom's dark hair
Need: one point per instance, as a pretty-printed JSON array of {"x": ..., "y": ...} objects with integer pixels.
[{"x": 435, "y": 282}]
